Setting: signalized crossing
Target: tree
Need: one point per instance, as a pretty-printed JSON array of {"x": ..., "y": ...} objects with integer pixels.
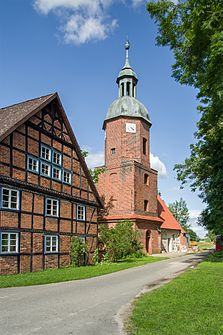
[
  {"x": 193, "y": 29},
  {"x": 193, "y": 235},
  {"x": 180, "y": 212},
  {"x": 120, "y": 241},
  {"x": 93, "y": 172},
  {"x": 78, "y": 251}
]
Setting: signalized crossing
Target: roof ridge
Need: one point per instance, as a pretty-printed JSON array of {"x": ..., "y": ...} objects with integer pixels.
[{"x": 28, "y": 100}]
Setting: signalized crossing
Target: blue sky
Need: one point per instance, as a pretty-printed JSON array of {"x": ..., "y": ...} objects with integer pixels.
[{"x": 76, "y": 47}]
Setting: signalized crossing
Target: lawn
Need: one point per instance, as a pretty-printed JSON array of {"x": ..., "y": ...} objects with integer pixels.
[
  {"x": 205, "y": 245},
  {"x": 73, "y": 273},
  {"x": 190, "y": 304}
]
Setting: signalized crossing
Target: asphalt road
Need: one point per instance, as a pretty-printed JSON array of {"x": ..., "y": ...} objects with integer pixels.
[{"x": 85, "y": 307}]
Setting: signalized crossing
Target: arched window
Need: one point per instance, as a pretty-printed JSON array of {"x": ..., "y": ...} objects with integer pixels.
[
  {"x": 128, "y": 88},
  {"x": 146, "y": 179},
  {"x": 122, "y": 85}
]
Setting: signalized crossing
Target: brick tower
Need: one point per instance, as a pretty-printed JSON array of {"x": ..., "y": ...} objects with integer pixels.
[{"x": 128, "y": 183}]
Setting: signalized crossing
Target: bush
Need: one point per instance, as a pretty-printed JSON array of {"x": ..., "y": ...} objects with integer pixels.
[
  {"x": 216, "y": 257},
  {"x": 95, "y": 258},
  {"x": 120, "y": 241},
  {"x": 78, "y": 251}
]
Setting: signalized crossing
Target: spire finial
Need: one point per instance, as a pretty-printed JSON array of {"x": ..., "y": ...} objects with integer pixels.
[{"x": 127, "y": 47}]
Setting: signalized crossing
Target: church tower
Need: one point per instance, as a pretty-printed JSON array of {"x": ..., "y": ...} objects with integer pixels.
[{"x": 128, "y": 183}]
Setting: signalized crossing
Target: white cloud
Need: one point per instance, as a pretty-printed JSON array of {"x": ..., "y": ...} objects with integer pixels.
[
  {"x": 95, "y": 159},
  {"x": 137, "y": 3},
  {"x": 158, "y": 165},
  {"x": 199, "y": 230},
  {"x": 83, "y": 20},
  {"x": 194, "y": 213}
]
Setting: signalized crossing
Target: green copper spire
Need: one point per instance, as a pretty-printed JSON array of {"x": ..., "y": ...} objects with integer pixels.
[
  {"x": 127, "y": 47},
  {"x": 127, "y": 104},
  {"x": 127, "y": 71}
]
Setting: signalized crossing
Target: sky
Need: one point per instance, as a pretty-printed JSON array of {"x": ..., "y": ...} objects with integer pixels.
[{"x": 76, "y": 48}]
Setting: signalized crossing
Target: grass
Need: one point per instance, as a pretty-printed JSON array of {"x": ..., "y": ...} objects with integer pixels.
[
  {"x": 190, "y": 304},
  {"x": 205, "y": 245},
  {"x": 72, "y": 273}
]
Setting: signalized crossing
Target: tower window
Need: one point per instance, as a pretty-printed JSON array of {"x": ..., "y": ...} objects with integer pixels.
[
  {"x": 122, "y": 89},
  {"x": 113, "y": 151},
  {"x": 128, "y": 88},
  {"x": 146, "y": 179},
  {"x": 133, "y": 90},
  {"x": 144, "y": 148},
  {"x": 146, "y": 205}
]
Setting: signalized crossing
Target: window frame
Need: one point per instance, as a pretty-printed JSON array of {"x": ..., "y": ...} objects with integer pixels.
[
  {"x": 41, "y": 152},
  {"x": 10, "y": 208},
  {"x": 42, "y": 173},
  {"x": 33, "y": 158},
  {"x": 84, "y": 212},
  {"x": 146, "y": 179},
  {"x": 60, "y": 173},
  {"x": 51, "y": 211},
  {"x": 70, "y": 173},
  {"x": 60, "y": 159},
  {"x": 144, "y": 146},
  {"x": 146, "y": 205},
  {"x": 51, "y": 236},
  {"x": 113, "y": 151},
  {"x": 9, "y": 233}
]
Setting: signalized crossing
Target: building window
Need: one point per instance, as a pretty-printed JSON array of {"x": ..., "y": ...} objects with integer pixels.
[
  {"x": 52, "y": 207},
  {"x": 45, "y": 153},
  {"x": 146, "y": 205},
  {"x": 33, "y": 164},
  {"x": 146, "y": 179},
  {"x": 56, "y": 158},
  {"x": 51, "y": 243},
  {"x": 66, "y": 177},
  {"x": 10, "y": 199},
  {"x": 45, "y": 169},
  {"x": 144, "y": 146},
  {"x": 113, "y": 151},
  {"x": 56, "y": 173},
  {"x": 9, "y": 243},
  {"x": 81, "y": 212}
]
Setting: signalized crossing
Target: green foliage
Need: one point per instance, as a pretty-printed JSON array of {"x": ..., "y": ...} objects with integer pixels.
[
  {"x": 120, "y": 241},
  {"x": 194, "y": 32},
  {"x": 96, "y": 256},
  {"x": 95, "y": 173},
  {"x": 216, "y": 257},
  {"x": 181, "y": 213},
  {"x": 193, "y": 235},
  {"x": 78, "y": 251},
  {"x": 210, "y": 236}
]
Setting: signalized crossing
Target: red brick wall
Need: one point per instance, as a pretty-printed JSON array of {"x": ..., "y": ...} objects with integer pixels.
[
  {"x": 30, "y": 221},
  {"x": 122, "y": 184}
]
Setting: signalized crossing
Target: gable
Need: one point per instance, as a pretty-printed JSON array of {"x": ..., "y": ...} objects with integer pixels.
[{"x": 47, "y": 125}]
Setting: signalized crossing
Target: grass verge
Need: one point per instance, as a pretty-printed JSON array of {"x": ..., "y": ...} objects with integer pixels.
[
  {"x": 190, "y": 304},
  {"x": 72, "y": 273}
]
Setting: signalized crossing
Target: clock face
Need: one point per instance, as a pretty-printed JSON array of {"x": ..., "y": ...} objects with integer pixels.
[{"x": 130, "y": 128}]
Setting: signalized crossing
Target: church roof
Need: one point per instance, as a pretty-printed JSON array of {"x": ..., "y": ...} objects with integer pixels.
[
  {"x": 127, "y": 106},
  {"x": 11, "y": 117},
  {"x": 165, "y": 214}
]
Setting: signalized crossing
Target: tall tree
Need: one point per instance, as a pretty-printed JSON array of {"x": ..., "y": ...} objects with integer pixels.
[
  {"x": 193, "y": 29},
  {"x": 180, "y": 212}
]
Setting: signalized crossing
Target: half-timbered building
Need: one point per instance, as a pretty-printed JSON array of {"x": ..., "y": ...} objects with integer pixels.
[{"x": 46, "y": 192}]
